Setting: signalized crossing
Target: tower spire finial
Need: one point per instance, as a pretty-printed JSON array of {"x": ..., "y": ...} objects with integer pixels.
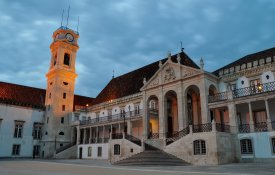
[
  {"x": 77, "y": 24},
  {"x": 62, "y": 17},
  {"x": 181, "y": 48},
  {"x": 113, "y": 74},
  {"x": 68, "y": 16}
]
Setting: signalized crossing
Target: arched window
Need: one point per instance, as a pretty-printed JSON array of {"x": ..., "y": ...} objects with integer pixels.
[
  {"x": 116, "y": 149},
  {"x": 246, "y": 146},
  {"x": 67, "y": 59},
  {"x": 153, "y": 104},
  {"x": 61, "y": 133},
  {"x": 199, "y": 147}
]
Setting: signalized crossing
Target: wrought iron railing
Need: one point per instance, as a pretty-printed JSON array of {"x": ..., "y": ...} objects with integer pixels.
[
  {"x": 106, "y": 139},
  {"x": 110, "y": 118},
  {"x": 133, "y": 139},
  {"x": 117, "y": 136},
  {"x": 154, "y": 112},
  {"x": 207, "y": 127},
  {"x": 65, "y": 147},
  {"x": 153, "y": 136},
  {"x": 253, "y": 90},
  {"x": 177, "y": 135},
  {"x": 218, "y": 97},
  {"x": 260, "y": 127},
  {"x": 222, "y": 127},
  {"x": 86, "y": 141},
  {"x": 244, "y": 128}
]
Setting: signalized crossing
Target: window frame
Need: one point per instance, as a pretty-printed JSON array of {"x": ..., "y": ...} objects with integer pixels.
[
  {"x": 37, "y": 131},
  {"x": 99, "y": 151},
  {"x": 18, "y": 129},
  {"x": 16, "y": 148},
  {"x": 248, "y": 150},
  {"x": 117, "y": 149},
  {"x": 199, "y": 147},
  {"x": 89, "y": 151},
  {"x": 67, "y": 59}
]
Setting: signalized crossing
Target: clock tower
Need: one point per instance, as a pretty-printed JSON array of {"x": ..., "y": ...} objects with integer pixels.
[{"x": 60, "y": 91}]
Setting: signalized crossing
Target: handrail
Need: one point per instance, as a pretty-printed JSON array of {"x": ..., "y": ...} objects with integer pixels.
[
  {"x": 65, "y": 147},
  {"x": 218, "y": 97}
]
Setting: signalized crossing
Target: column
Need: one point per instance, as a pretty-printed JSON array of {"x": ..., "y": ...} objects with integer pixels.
[
  {"x": 119, "y": 128},
  {"x": 204, "y": 104},
  {"x": 77, "y": 135},
  {"x": 103, "y": 133},
  {"x": 251, "y": 121},
  {"x": 185, "y": 112},
  {"x": 233, "y": 117},
  {"x": 268, "y": 120},
  {"x": 84, "y": 136},
  {"x": 162, "y": 115},
  {"x": 91, "y": 136},
  {"x": 129, "y": 127},
  {"x": 145, "y": 116},
  {"x": 180, "y": 109},
  {"x": 97, "y": 134}
]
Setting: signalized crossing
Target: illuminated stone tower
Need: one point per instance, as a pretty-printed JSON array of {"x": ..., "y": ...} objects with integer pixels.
[{"x": 60, "y": 90}]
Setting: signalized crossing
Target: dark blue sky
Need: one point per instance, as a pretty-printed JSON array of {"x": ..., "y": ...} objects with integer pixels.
[{"x": 123, "y": 35}]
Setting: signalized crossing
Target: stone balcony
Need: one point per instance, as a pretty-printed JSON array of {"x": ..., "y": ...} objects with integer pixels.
[{"x": 242, "y": 92}]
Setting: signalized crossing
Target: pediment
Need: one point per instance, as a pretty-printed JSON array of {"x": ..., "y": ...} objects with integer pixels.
[{"x": 170, "y": 72}]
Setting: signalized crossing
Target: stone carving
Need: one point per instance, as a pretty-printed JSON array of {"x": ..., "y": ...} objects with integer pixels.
[
  {"x": 154, "y": 83},
  {"x": 188, "y": 73},
  {"x": 169, "y": 74}
]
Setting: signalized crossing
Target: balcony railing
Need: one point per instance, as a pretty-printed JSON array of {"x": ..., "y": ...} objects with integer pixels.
[
  {"x": 260, "y": 127},
  {"x": 253, "y": 90},
  {"x": 177, "y": 135},
  {"x": 117, "y": 136},
  {"x": 222, "y": 127},
  {"x": 207, "y": 127},
  {"x": 153, "y": 136},
  {"x": 218, "y": 97},
  {"x": 244, "y": 128},
  {"x": 110, "y": 118},
  {"x": 243, "y": 92}
]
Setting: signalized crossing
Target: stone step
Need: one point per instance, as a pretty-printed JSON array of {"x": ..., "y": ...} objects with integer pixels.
[{"x": 148, "y": 158}]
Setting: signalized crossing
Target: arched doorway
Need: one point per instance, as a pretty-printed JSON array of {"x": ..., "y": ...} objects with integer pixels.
[
  {"x": 193, "y": 105},
  {"x": 171, "y": 111},
  {"x": 74, "y": 139},
  {"x": 153, "y": 117}
]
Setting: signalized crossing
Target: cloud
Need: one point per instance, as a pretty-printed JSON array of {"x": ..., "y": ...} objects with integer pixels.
[{"x": 127, "y": 34}]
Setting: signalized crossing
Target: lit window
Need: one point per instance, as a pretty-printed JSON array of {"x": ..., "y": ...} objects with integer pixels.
[
  {"x": 18, "y": 129},
  {"x": 246, "y": 146},
  {"x": 116, "y": 149},
  {"x": 37, "y": 130},
  {"x": 89, "y": 151},
  {"x": 199, "y": 147},
  {"x": 16, "y": 150},
  {"x": 67, "y": 59},
  {"x": 99, "y": 151}
]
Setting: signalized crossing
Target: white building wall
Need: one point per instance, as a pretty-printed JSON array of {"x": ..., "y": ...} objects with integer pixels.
[{"x": 10, "y": 113}]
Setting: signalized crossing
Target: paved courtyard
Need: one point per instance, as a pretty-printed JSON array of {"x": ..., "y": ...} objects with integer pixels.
[{"x": 97, "y": 167}]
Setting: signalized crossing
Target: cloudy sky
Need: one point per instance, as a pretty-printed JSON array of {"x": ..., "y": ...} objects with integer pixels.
[{"x": 123, "y": 35}]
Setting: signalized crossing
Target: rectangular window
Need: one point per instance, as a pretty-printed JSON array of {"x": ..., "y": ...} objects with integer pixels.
[
  {"x": 83, "y": 118},
  {"x": 62, "y": 120},
  {"x": 47, "y": 119},
  {"x": 64, "y": 95},
  {"x": 199, "y": 147},
  {"x": 89, "y": 151},
  {"x": 16, "y": 150},
  {"x": 18, "y": 129},
  {"x": 137, "y": 109},
  {"x": 36, "y": 150},
  {"x": 99, "y": 151},
  {"x": 37, "y": 131},
  {"x": 67, "y": 59},
  {"x": 254, "y": 82},
  {"x": 63, "y": 108},
  {"x": 246, "y": 146}
]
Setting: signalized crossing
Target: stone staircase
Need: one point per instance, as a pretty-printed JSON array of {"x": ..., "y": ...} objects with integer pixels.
[{"x": 152, "y": 157}]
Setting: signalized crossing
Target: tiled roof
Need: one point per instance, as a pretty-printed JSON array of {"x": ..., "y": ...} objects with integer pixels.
[
  {"x": 131, "y": 83},
  {"x": 30, "y": 96},
  {"x": 249, "y": 58}
]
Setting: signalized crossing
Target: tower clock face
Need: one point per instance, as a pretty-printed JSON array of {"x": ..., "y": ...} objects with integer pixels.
[{"x": 69, "y": 37}]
